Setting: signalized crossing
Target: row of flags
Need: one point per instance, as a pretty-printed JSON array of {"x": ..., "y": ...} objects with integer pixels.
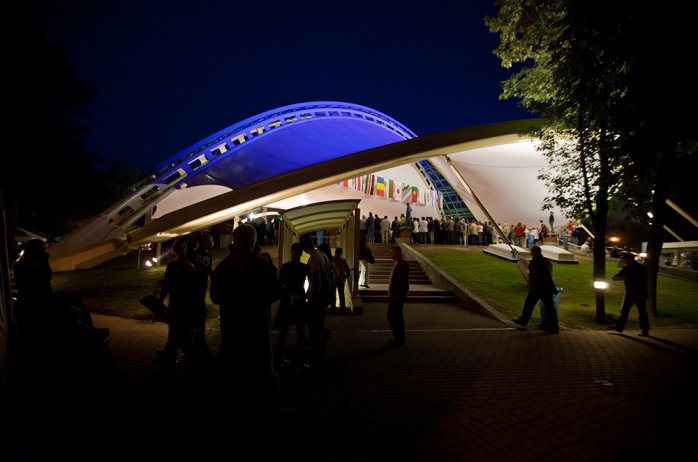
[{"x": 404, "y": 193}]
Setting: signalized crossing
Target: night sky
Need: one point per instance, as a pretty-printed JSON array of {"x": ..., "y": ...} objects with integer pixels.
[{"x": 170, "y": 73}]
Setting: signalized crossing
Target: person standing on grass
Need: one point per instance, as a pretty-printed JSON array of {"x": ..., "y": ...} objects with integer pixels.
[
  {"x": 398, "y": 287},
  {"x": 634, "y": 276}
]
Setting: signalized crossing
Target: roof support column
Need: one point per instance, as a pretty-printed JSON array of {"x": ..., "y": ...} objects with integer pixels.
[{"x": 514, "y": 252}]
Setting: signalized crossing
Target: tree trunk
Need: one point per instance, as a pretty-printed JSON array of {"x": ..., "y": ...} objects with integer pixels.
[
  {"x": 600, "y": 264},
  {"x": 655, "y": 244}
]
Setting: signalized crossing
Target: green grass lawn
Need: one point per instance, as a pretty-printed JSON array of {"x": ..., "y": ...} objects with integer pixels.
[
  {"x": 502, "y": 286},
  {"x": 115, "y": 287}
]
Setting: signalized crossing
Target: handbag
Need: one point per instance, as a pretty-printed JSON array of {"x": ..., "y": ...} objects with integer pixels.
[
  {"x": 154, "y": 301},
  {"x": 154, "y": 304}
]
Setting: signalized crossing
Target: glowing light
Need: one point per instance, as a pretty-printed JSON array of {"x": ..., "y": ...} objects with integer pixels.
[
  {"x": 600, "y": 285},
  {"x": 650, "y": 214},
  {"x": 148, "y": 263},
  {"x": 154, "y": 259},
  {"x": 614, "y": 239}
]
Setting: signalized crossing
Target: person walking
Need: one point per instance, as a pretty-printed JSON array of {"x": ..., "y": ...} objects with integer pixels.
[
  {"x": 341, "y": 274},
  {"x": 634, "y": 276},
  {"x": 540, "y": 287},
  {"x": 398, "y": 287}
]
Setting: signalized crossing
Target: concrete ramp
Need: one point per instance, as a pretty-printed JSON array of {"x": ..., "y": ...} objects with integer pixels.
[
  {"x": 504, "y": 251},
  {"x": 551, "y": 252},
  {"x": 558, "y": 254}
]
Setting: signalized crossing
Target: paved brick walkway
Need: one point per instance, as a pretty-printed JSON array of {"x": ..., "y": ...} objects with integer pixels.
[{"x": 463, "y": 388}]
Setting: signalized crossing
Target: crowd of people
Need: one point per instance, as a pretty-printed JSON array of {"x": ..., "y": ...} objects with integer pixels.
[
  {"x": 459, "y": 231},
  {"x": 245, "y": 284}
]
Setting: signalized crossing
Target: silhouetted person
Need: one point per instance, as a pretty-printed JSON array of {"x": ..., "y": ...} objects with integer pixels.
[
  {"x": 267, "y": 257},
  {"x": 64, "y": 358},
  {"x": 365, "y": 258},
  {"x": 341, "y": 274},
  {"x": 46, "y": 316},
  {"x": 244, "y": 285},
  {"x": 34, "y": 295},
  {"x": 540, "y": 287},
  {"x": 180, "y": 285},
  {"x": 325, "y": 248},
  {"x": 292, "y": 303},
  {"x": 634, "y": 276},
  {"x": 321, "y": 292},
  {"x": 202, "y": 260},
  {"x": 398, "y": 287}
]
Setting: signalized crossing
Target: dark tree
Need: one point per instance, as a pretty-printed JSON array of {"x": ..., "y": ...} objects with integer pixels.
[{"x": 45, "y": 163}]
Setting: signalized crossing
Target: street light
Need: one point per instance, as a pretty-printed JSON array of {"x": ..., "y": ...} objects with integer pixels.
[{"x": 600, "y": 285}]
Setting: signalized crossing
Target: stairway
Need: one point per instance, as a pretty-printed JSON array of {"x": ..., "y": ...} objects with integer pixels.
[{"x": 421, "y": 288}]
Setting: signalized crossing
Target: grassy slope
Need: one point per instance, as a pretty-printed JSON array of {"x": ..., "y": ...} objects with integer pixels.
[{"x": 500, "y": 284}]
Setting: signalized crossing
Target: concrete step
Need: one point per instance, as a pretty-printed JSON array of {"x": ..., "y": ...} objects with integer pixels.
[
  {"x": 421, "y": 288},
  {"x": 411, "y": 299},
  {"x": 419, "y": 293}
]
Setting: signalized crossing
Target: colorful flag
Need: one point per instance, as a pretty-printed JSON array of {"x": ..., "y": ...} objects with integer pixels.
[
  {"x": 391, "y": 189},
  {"x": 380, "y": 186},
  {"x": 406, "y": 193},
  {"x": 415, "y": 193}
]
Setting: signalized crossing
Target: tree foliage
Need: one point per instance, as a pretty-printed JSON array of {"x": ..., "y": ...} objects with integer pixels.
[
  {"x": 600, "y": 73},
  {"x": 48, "y": 176}
]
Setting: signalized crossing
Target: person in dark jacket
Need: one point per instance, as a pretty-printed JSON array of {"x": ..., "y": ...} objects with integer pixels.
[
  {"x": 293, "y": 275},
  {"x": 202, "y": 260},
  {"x": 540, "y": 287},
  {"x": 634, "y": 276},
  {"x": 34, "y": 293},
  {"x": 244, "y": 285},
  {"x": 180, "y": 286},
  {"x": 321, "y": 294}
]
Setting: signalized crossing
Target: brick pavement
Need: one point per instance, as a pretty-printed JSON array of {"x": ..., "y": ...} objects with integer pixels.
[{"x": 463, "y": 388}]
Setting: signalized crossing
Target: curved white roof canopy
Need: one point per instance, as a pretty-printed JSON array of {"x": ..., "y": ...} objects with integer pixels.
[{"x": 208, "y": 183}]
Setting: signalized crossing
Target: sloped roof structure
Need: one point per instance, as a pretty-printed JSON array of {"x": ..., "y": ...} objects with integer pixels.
[{"x": 298, "y": 154}]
